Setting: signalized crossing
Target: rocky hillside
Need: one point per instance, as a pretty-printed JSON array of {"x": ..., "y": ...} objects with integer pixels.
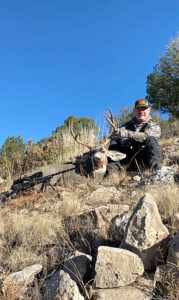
[{"x": 113, "y": 239}]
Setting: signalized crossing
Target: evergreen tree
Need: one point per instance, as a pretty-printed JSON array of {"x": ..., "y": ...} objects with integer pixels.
[
  {"x": 12, "y": 146},
  {"x": 125, "y": 115},
  {"x": 78, "y": 124},
  {"x": 163, "y": 83}
]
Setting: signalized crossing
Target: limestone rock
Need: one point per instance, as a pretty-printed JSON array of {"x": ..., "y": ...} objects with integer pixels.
[
  {"x": 78, "y": 265},
  {"x": 98, "y": 223},
  {"x": 103, "y": 214},
  {"x": 141, "y": 289},
  {"x": 60, "y": 286},
  {"x": 118, "y": 225},
  {"x": 122, "y": 293},
  {"x": 104, "y": 195},
  {"x": 19, "y": 280},
  {"x": 145, "y": 233},
  {"x": 116, "y": 267},
  {"x": 164, "y": 174},
  {"x": 159, "y": 275}
]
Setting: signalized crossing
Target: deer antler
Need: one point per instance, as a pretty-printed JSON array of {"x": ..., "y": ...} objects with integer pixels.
[
  {"x": 111, "y": 121},
  {"x": 75, "y": 136},
  {"x": 110, "y": 118}
]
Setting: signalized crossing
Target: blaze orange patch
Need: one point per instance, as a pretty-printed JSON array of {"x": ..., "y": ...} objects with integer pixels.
[{"x": 141, "y": 102}]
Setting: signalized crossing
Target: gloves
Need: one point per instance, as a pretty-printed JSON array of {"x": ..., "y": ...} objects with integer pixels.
[{"x": 122, "y": 132}]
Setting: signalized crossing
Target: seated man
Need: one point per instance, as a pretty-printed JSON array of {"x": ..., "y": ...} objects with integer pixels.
[{"x": 138, "y": 139}]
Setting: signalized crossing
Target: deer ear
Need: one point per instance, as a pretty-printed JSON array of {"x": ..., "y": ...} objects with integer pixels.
[{"x": 116, "y": 155}]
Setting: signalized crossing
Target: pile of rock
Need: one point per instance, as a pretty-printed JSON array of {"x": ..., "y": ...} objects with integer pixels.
[{"x": 120, "y": 272}]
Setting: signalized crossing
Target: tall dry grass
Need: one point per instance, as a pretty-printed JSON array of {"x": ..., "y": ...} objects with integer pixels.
[
  {"x": 57, "y": 149},
  {"x": 34, "y": 228}
]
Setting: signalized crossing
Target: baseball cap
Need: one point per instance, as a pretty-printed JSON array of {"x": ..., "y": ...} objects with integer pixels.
[{"x": 142, "y": 103}]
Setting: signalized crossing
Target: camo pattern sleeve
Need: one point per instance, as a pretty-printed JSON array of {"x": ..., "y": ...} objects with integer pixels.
[{"x": 152, "y": 129}]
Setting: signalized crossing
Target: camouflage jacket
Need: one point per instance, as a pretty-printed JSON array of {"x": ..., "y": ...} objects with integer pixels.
[{"x": 140, "y": 132}]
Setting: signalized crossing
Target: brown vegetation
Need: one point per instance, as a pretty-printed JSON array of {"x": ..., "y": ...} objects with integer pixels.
[{"x": 35, "y": 228}]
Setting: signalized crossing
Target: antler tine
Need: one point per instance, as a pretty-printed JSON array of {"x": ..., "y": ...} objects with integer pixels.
[
  {"x": 111, "y": 121},
  {"x": 112, "y": 117},
  {"x": 75, "y": 136}
]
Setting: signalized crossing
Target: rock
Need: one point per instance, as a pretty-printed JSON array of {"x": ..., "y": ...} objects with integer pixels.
[
  {"x": 164, "y": 174},
  {"x": 104, "y": 194},
  {"x": 173, "y": 255},
  {"x": 145, "y": 233},
  {"x": 141, "y": 291},
  {"x": 60, "y": 286},
  {"x": 116, "y": 267},
  {"x": 19, "y": 280},
  {"x": 159, "y": 275},
  {"x": 103, "y": 215},
  {"x": 78, "y": 266},
  {"x": 123, "y": 293},
  {"x": 97, "y": 224},
  {"x": 118, "y": 226},
  {"x": 135, "y": 176}
]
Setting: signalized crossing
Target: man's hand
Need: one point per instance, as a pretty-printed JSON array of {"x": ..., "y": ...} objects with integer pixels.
[{"x": 122, "y": 132}]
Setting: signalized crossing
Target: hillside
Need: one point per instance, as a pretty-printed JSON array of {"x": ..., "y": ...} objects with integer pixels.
[{"x": 45, "y": 228}]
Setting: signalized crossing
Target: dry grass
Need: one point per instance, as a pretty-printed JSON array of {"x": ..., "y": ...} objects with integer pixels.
[
  {"x": 35, "y": 228},
  {"x": 168, "y": 287},
  {"x": 24, "y": 238}
]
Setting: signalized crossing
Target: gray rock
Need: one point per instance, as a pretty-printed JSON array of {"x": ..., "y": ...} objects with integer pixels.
[
  {"x": 116, "y": 267},
  {"x": 78, "y": 266},
  {"x": 20, "y": 280},
  {"x": 98, "y": 223},
  {"x": 103, "y": 215},
  {"x": 60, "y": 286},
  {"x": 164, "y": 174},
  {"x": 118, "y": 226},
  {"x": 145, "y": 233},
  {"x": 104, "y": 195},
  {"x": 140, "y": 290},
  {"x": 159, "y": 275}
]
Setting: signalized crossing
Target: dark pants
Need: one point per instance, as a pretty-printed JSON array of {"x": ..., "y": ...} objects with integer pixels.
[{"x": 144, "y": 155}]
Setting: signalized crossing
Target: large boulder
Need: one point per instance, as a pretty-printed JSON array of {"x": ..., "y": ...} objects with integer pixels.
[
  {"x": 146, "y": 235},
  {"x": 116, "y": 267}
]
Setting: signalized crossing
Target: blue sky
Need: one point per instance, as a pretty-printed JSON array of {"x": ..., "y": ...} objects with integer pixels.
[{"x": 75, "y": 57}]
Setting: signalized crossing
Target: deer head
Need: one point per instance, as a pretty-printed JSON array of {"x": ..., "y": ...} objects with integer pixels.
[{"x": 98, "y": 156}]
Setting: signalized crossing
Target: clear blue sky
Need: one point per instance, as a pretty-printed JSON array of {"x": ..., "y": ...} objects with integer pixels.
[{"x": 75, "y": 57}]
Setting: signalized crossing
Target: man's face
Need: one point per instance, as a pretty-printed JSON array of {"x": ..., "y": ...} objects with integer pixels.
[{"x": 142, "y": 113}]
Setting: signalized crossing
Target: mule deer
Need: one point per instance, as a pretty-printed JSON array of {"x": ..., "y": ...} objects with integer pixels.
[{"x": 94, "y": 162}]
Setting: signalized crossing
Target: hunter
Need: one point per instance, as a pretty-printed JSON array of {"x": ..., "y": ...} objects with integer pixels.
[{"x": 138, "y": 139}]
